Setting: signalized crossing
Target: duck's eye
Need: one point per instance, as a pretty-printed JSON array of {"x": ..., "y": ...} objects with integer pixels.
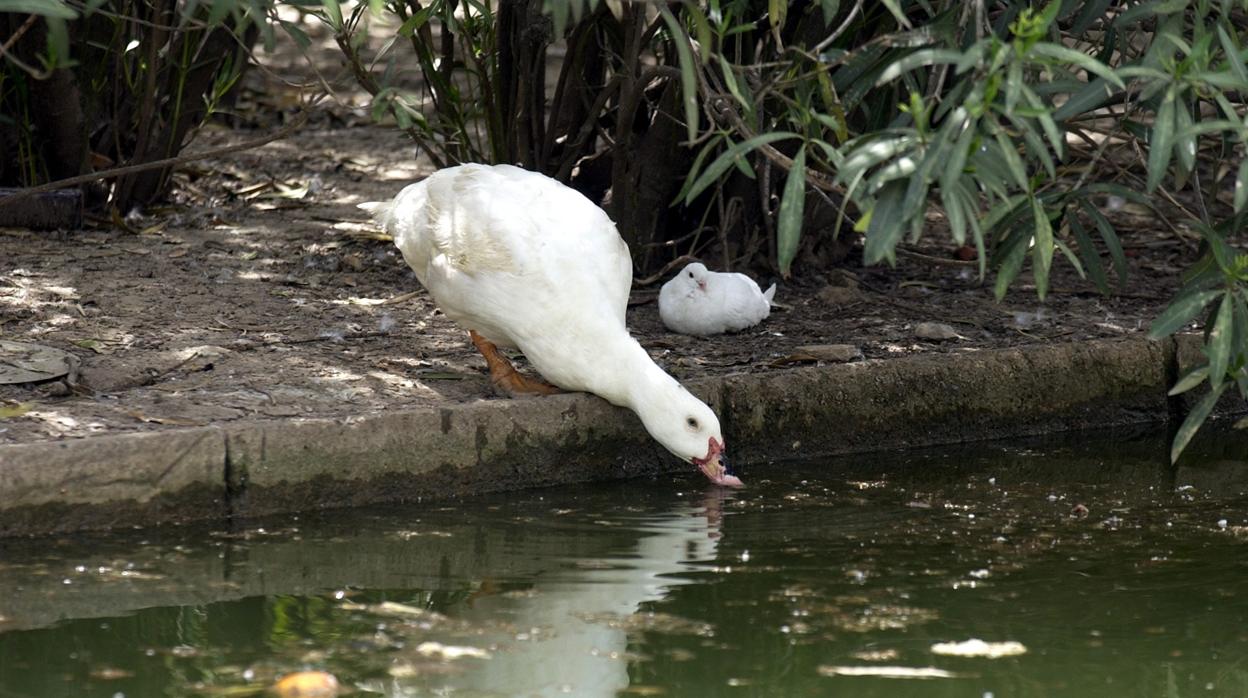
[
  {"x": 691, "y": 275},
  {"x": 693, "y": 423}
]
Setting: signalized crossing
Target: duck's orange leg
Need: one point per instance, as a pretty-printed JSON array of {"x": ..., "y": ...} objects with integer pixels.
[{"x": 504, "y": 376}]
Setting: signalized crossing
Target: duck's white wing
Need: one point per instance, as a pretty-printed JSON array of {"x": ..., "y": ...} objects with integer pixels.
[{"x": 501, "y": 249}]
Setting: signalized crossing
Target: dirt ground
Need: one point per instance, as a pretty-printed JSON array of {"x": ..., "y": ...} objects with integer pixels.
[{"x": 258, "y": 294}]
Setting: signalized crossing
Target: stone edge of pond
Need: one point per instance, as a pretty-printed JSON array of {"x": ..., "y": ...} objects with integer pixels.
[{"x": 266, "y": 467}]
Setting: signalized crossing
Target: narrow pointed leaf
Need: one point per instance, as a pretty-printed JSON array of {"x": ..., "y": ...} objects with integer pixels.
[
  {"x": 1110, "y": 238},
  {"x": 1087, "y": 251},
  {"x": 1042, "y": 250},
  {"x": 1219, "y": 347},
  {"x": 1241, "y": 187},
  {"x": 333, "y": 13},
  {"x": 1190, "y": 380},
  {"x": 688, "y": 81},
  {"x": 1195, "y": 418},
  {"x": 728, "y": 157},
  {"x": 789, "y": 225},
  {"x": 1180, "y": 312},
  {"x": 1081, "y": 60},
  {"x": 886, "y": 225},
  {"x": 1159, "y": 143},
  {"x": 1184, "y": 142}
]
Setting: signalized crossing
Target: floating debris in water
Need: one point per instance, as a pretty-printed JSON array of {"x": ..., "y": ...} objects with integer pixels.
[
  {"x": 979, "y": 648},
  {"x": 889, "y": 672},
  {"x": 450, "y": 652},
  {"x": 108, "y": 673},
  {"x": 887, "y": 655},
  {"x": 652, "y": 622},
  {"x": 306, "y": 684},
  {"x": 390, "y": 608}
]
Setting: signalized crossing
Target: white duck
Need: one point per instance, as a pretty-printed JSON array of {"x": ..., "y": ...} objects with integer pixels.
[
  {"x": 698, "y": 301},
  {"x": 522, "y": 261}
]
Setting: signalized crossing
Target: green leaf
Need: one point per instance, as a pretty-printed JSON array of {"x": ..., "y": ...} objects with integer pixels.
[
  {"x": 955, "y": 214},
  {"x": 558, "y": 11},
  {"x": 1012, "y": 264},
  {"x": 789, "y": 225},
  {"x": 726, "y": 159},
  {"x": 1070, "y": 56},
  {"x": 1233, "y": 59},
  {"x": 1184, "y": 142},
  {"x": 887, "y": 225},
  {"x": 957, "y": 158},
  {"x": 1159, "y": 142},
  {"x": 1071, "y": 257},
  {"x": 1190, "y": 380},
  {"x": 730, "y": 79},
  {"x": 1013, "y": 162},
  {"x": 1219, "y": 343},
  {"x": 43, "y": 8},
  {"x": 776, "y": 12},
  {"x": 697, "y": 167},
  {"x": 688, "y": 81},
  {"x": 1051, "y": 131},
  {"x": 415, "y": 22},
  {"x": 1091, "y": 11},
  {"x": 296, "y": 33},
  {"x": 864, "y": 157},
  {"x": 1087, "y": 251},
  {"x": 919, "y": 59},
  {"x": 1195, "y": 418},
  {"x": 1241, "y": 187},
  {"x": 1096, "y": 93},
  {"x": 702, "y": 28},
  {"x": 333, "y": 14},
  {"x": 1180, "y": 312},
  {"x": 1042, "y": 249},
  {"x": 830, "y": 8}
]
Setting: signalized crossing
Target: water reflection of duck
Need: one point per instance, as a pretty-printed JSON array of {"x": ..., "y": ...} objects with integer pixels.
[{"x": 572, "y": 627}]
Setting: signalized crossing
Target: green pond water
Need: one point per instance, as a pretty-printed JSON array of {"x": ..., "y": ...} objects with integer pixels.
[{"x": 1112, "y": 572}]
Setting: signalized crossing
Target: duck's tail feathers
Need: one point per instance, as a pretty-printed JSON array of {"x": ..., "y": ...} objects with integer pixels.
[
  {"x": 380, "y": 211},
  {"x": 769, "y": 294}
]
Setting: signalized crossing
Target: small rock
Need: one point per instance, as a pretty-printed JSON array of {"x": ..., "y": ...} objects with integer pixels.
[
  {"x": 839, "y": 295},
  {"x": 935, "y": 331},
  {"x": 55, "y": 389},
  {"x": 839, "y": 353}
]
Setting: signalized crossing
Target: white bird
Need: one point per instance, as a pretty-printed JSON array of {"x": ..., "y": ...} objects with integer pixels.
[
  {"x": 698, "y": 301},
  {"x": 522, "y": 261}
]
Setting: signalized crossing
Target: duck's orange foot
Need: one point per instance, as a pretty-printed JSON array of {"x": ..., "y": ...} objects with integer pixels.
[{"x": 504, "y": 376}]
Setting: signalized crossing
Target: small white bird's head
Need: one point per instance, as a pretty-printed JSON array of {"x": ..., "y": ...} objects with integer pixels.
[
  {"x": 695, "y": 275},
  {"x": 684, "y": 425}
]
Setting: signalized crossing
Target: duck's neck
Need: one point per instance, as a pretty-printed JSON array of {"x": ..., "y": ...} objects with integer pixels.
[{"x": 630, "y": 378}]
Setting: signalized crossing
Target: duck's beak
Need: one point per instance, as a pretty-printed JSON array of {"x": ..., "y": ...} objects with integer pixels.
[{"x": 715, "y": 466}]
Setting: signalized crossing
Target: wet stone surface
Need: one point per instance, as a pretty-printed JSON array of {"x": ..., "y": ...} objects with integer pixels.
[{"x": 1045, "y": 568}]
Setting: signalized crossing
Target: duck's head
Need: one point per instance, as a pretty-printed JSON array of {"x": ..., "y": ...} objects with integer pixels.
[
  {"x": 694, "y": 275},
  {"x": 690, "y": 430}
]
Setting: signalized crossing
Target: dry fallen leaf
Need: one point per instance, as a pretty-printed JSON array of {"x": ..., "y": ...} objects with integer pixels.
[{"x": 17, "y": 409}]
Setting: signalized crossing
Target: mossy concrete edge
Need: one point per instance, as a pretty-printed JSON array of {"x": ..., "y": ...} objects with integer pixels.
[{"x": 266, "y": 467}]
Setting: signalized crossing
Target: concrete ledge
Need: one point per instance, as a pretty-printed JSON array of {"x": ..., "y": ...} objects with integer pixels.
[
  {"x": 256, "y": 468},
  {"x": 110, "y": 481}
]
